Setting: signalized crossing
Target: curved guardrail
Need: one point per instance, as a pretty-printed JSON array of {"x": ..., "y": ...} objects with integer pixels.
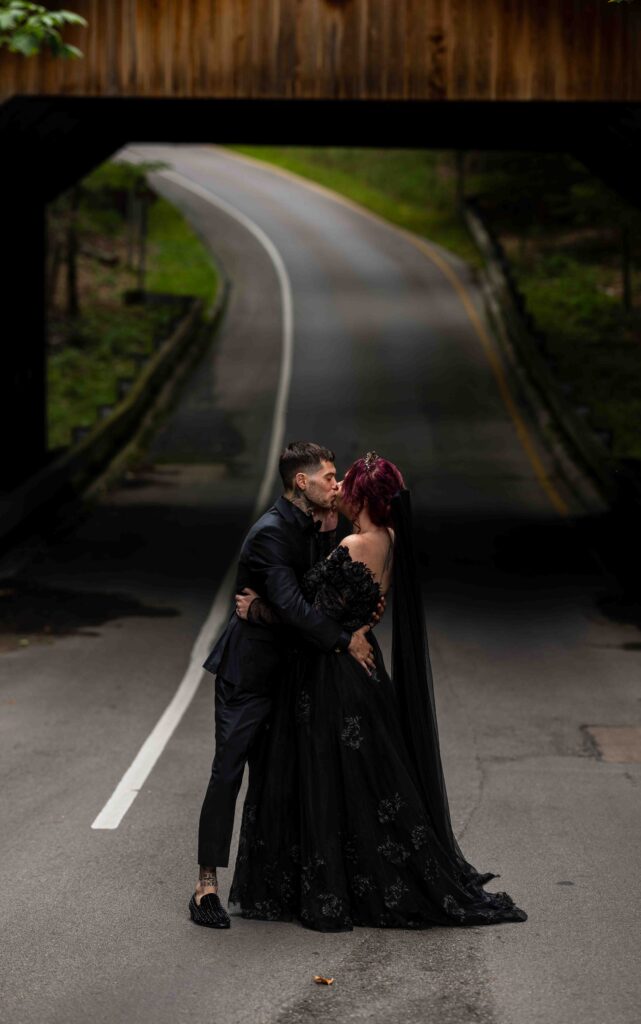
[{"x": 616, "y": 479}]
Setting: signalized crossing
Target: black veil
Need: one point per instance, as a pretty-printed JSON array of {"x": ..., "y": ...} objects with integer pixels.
[{"x": 412, "y": 678}]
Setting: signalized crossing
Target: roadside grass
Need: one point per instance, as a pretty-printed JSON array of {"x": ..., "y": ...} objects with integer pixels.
[
  {"x": 560, "y": 227},
  {"x": 594, "y": 344},
  {"x": 108, "y": 339},
  {"x": 179, "y": 262}
]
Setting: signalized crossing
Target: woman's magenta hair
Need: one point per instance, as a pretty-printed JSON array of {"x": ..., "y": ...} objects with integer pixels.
[{"x": 375, "y": 483}]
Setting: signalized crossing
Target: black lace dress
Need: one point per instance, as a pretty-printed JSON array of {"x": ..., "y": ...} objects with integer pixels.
[{"x": 335, "y": 832}]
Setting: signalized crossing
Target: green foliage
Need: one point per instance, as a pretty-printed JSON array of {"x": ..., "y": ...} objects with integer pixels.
[
  {"x": 28, "y": 28},
  {"x": 89, "y": 353},
  {"x": 526, "y": 189},
  {"x": 562, "y": 228},
  {"x": 179, "y": 262},
  {"x": 106, "y": 192},
  {"x": 120, "y": 175},
  {"x": 84, "y": 375}
]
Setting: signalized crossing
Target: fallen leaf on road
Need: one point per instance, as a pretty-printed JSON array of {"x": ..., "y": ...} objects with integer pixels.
[{"x": 320, "y": 980}]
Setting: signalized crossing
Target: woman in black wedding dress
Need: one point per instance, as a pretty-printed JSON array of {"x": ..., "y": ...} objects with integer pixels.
[{"x": 346, "y": 820}]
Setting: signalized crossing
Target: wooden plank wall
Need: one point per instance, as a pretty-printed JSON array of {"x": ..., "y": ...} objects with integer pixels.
[{"x": 422, "y": 49}]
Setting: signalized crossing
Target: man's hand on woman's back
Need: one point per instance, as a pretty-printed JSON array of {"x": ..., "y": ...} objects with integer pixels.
[{"x": 361, "y": 649}]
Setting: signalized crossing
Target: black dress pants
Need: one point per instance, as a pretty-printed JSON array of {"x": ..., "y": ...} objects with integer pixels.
[{"x": 240, "y": 716}]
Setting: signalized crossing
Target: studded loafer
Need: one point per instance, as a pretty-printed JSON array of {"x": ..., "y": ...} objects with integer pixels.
[{"x": 209, "y": 912}]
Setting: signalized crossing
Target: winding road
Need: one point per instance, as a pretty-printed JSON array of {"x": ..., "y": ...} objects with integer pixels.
[{"x": 343, "y": 329}]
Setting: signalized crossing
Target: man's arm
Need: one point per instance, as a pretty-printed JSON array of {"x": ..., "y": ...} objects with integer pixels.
[{"x": 269, "y": 556}]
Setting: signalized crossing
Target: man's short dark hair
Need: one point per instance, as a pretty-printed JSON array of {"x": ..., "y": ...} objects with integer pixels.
[{"x": 302, "y": 457}]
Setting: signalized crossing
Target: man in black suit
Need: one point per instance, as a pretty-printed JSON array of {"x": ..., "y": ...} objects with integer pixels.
[{"x": 248, "y": 659}]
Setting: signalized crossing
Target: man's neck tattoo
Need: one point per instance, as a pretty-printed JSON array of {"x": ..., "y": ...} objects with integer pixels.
[{"x": 301, "y": 501}]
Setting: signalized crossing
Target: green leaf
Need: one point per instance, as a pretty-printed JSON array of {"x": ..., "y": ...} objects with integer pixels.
[
  {"x": 71, "y": 51},
  {"x": 9, "y": 19},
  {"x": 71, "y": 18},
  {"x": 55, "y": 44},
  {"x": 33, "y": 28},
  {"x": 26, "y": 27},
  {"x": 26, "y": 43}
]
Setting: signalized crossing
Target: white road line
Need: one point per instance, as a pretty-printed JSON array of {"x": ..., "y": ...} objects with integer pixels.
[{"x": 136, "y": 775}]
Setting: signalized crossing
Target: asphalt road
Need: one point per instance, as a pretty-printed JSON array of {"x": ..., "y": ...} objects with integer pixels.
[{"x": 94, "y": 922}]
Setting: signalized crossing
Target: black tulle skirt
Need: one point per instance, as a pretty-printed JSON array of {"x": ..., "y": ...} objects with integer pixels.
[{"x": 334, "y": 831}]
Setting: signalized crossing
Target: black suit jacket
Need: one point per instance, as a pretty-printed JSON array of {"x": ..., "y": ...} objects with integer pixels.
[{"x": 279, "y": 548}]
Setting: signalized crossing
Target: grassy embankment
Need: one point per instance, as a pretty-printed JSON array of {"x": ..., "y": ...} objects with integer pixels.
[
  {"x": 562, "y": 231},
  {"x": 91, "y": 351}
]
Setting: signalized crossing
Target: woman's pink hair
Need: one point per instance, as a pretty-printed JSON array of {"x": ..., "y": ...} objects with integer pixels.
[{"x": 375, "y": 483}]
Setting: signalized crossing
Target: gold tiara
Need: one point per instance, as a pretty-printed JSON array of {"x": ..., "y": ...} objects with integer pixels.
[{"x": 370, "y": 459}]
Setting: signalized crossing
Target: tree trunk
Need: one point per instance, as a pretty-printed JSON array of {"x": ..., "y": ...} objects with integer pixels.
[
  {"x": 55, "y": 253},
  {"x": 73, "y": 305},
  {"x": 626, "y": 267},
  {"x": 132, "y": 217},
  {"x": 142, "y": 243}
]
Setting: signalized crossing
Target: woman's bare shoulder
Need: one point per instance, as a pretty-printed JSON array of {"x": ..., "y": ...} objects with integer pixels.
[
  {"x": 362, "y": 548},
  {"x": 355, "y": 543}
]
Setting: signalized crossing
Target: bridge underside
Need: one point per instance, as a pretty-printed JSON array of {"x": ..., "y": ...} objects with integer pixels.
[{"x": 50, "y": 142}]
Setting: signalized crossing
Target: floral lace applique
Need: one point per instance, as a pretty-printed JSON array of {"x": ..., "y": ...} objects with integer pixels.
[
  {"x": 303, "y": 707},
  {"x": 362, "y": 885},
  {"x": 351, "y": 734},
  {"x": 452, "y": 907},
  {"x": 389, "y": 807},
  {"x": 393, "y": 894},
  {"x": 309, "y": 873},
  {"x": 395, "y": 852},
  {"x": 342, "y": 588},
  {"x": 418, "y": 836},
  {"x": 287, "y": 887},
  {"x": 331, "y": 905},
  {"x": 430, "y": 870}
]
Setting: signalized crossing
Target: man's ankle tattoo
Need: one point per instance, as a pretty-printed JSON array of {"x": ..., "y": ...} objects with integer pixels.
[{"x": 208, "y": 877}]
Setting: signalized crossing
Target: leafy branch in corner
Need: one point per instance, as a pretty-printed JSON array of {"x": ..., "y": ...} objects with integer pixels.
[{"x": 28, "y": 28}]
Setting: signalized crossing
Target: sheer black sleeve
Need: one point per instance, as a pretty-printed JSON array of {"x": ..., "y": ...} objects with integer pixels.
[{"x": 262, "y": 613}]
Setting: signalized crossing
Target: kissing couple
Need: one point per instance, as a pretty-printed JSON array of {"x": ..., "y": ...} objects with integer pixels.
[{"x": 346, "y": 819}]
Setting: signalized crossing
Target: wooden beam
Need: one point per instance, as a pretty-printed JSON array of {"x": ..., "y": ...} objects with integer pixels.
[{"x": 438, "y": 50}]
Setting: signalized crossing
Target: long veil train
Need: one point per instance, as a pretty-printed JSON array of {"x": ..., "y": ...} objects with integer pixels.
[{"x": 413, "y": 683}]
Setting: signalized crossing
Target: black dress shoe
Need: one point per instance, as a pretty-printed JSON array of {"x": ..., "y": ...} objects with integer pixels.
[{"x": 209, "y": 912}]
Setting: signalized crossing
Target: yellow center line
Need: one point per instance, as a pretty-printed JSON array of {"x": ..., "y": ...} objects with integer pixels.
[
  {"x": 459, "y": 286},
  {"x": 499, "y": 375}
]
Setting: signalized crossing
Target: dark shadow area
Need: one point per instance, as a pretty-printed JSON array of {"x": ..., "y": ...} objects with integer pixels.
[
  {"x": 148, "y": 543},
  {"x": 522, "y": 562},
  {"x": 33, "y": 611},
  {"x": 625, "y": 610}
]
